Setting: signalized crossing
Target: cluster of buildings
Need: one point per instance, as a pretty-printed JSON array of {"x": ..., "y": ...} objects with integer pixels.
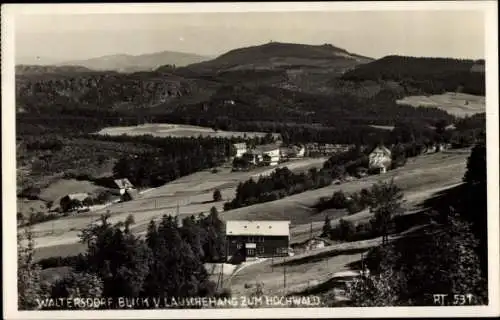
[{"x": 268, "y": 154}]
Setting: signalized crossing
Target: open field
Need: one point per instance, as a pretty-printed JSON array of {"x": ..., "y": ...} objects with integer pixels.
[
  {"x": 458, "y": 104},
  {"x": 176, "y": 130},
  {"x": 389, "y": 128},
  {"x": 419, "y": 179},
  {"x": 53, "y": 194},
  {"x": 192, "y": 193}
]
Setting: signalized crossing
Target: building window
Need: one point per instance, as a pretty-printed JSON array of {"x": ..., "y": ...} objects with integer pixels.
[{"x": 260, "y": 250}]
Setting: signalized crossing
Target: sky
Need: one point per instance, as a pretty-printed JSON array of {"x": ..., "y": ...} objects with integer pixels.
[{"x": 64, "y": 37}]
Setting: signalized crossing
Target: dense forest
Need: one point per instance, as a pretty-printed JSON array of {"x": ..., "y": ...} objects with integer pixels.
[{"x": 428, "y": 75}]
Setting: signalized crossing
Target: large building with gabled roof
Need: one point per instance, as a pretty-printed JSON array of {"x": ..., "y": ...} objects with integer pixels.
[{"x": 257, "y": 238}]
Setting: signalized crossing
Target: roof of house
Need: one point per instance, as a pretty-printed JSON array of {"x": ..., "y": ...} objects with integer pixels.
[
  {"x": 123, "y": 183},
  {"x": 258, "y": 228},
  {"x": 78, "y": 196},
  {"x": 382, "y": 149}
]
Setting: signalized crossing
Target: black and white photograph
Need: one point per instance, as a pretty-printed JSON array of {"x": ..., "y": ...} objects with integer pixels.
[{"x": 250, "y": 160}]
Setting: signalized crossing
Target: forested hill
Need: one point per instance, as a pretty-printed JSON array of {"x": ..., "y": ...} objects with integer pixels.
[
  {"x": 429, "y": 75},
  {"x": 277, "y": 54},
  {"x": 248, "y": 88}
]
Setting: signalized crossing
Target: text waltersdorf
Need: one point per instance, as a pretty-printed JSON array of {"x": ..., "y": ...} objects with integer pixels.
[{"x": 173, "y": 302}]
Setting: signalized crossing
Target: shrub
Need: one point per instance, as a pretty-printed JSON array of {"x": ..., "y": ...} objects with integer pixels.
[
  {"x": 217, "y": 196},
  {"x": 338, "y": 200},
  {"x": 346, "y": 229},
  {"x": 31, "y": 193},
  {"x": 354, "y": 206}
]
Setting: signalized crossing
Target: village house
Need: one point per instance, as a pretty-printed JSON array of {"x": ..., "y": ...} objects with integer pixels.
[
  {"x": 241, "y": 149},
  {"x": 271, "y": 151},
  {"x": 257, "y": 239},
  {"x": 380, "y": 159},
  {"x": 268, "y": 154},
  {"x": 126, "y": 189},
  {"x": 253, "y": 156}
]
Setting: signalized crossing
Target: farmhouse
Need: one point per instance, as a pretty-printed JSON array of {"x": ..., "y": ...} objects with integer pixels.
[
  {"x": 241, "y": 149},
  {"x": 252, "y": 239},
  {"x": 73, "y": 201},
  {"x": 127, "y": 189},
  {"x": 380, "y": 159},
  {"x": 253, "y": 157},
  {"x": 123, "y": 184},
  {"x": 271, "y": 152}
]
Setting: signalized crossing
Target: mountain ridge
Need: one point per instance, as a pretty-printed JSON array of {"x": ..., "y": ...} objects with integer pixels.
[{"x": 133, "y": 63}]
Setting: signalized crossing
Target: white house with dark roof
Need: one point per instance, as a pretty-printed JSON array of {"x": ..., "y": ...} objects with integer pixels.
[
  {"x": 257, "y": 238},
  {"x": 380, "y": 159},
  {"x": 271, "y": 151}
]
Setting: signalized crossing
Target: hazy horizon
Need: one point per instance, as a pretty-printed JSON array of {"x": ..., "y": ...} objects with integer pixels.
[{"x": 57, "y": 38}]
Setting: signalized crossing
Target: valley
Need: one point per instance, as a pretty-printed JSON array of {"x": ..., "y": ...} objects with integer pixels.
[{"x": 275, "y": 129}]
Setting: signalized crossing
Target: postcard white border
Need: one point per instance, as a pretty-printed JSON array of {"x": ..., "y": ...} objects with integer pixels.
[{"x": 489, "y": 8}]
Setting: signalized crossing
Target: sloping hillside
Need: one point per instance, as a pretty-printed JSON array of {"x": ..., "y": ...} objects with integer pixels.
[
  {"x": 423, "y": 75},
  {"x": 134, "y": 63},
  {"x": 281, "y": 55},
  {"x": 292, "y": 66}
]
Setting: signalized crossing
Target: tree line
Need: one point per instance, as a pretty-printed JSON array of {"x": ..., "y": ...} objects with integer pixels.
[
  {"x": 428, "y": 75},
  {"x": 168, "y": 262}
]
